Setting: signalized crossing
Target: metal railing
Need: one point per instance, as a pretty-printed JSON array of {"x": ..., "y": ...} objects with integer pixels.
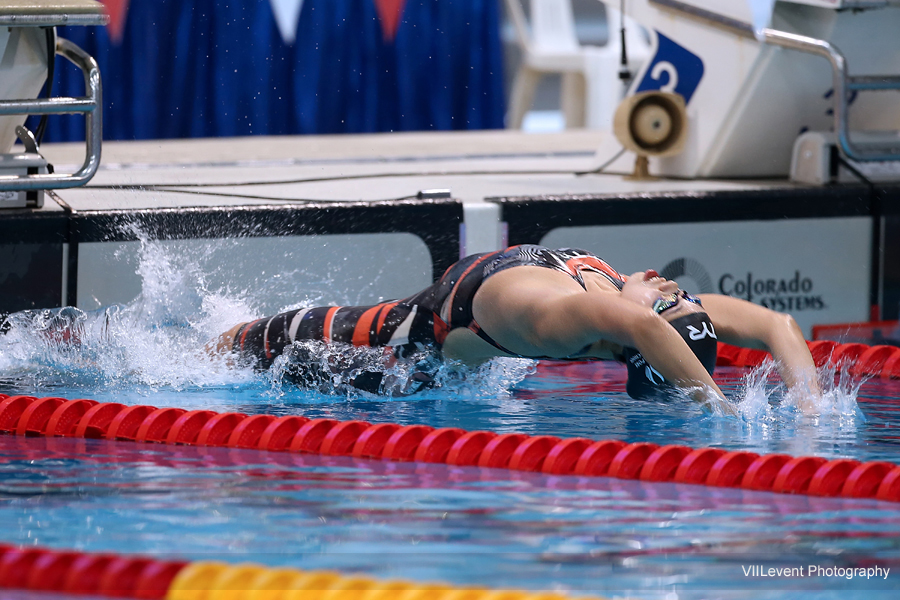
[
  {"x": 842, "y": 83},
  {"x": 90, "y": 106}
]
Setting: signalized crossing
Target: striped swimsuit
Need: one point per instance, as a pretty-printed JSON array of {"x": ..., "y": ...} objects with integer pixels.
[{"x": 421, "y": 321}]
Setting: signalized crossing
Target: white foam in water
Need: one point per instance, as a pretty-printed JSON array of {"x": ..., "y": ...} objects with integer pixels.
[
  {"x": 762, "y": 401},
  {"x": 493, "y": 380},
  {"x": 155, "y": 340},
  {"x": 330, "y": 369}
]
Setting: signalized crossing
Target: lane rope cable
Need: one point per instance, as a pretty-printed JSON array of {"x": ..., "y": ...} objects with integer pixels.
[{"x": 815, "y": 476}]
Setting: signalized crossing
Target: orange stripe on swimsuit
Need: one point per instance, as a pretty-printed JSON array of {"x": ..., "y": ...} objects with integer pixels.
[
  {"x": 329, "y": 322},
  {"x": 364, "y": 326}
]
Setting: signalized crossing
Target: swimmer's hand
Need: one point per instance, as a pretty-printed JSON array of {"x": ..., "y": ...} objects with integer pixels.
[
  {"x": 222, "y": 345},
  {"x": 712, "y": 402},
  {"x": 809, "y": 402},
  {"x": 804, "y": 391}
]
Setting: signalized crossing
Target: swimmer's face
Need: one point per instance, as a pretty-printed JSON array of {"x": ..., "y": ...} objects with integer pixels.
[{"x": 646, "y": 287}]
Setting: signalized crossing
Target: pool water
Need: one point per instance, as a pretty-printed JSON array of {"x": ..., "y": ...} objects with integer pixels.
[{"x": 467, "y": 526}]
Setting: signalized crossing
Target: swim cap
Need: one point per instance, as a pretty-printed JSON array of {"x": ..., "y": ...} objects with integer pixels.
[{"x": 697, "y": 330}]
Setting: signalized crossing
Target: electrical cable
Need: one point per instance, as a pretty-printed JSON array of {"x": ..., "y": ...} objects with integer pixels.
[
  {"x": 284, "y": 200},
  {"x": 624, "y": 72},
  {"x": 601, "y": 168},
  {"x": 191, "y": 188},
  {"x": 856, "y": 172},
  {"x": 51, "y": 68},
  {"x": 158, "y": 186}
]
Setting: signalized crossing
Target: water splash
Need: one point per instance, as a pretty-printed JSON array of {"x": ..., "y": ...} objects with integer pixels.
[
  {"x": 359, "y": 371},
  {"x": 762, "y": 398},
  {"x": 156, "y": 340}
]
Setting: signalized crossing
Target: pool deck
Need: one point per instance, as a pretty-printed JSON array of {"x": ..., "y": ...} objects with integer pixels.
[
  {"x": 262, "y": 170},
  {"x": 474, "y": 166}
]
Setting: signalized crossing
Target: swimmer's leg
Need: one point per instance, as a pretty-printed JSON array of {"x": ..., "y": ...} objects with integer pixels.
[{"x": 67, "y": 326}]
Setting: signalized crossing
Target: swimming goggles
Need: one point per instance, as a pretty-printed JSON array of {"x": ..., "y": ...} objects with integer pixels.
[{"x": 664, "y": 303}]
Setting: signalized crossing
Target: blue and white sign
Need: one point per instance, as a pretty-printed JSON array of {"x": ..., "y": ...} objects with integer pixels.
[{"x": 673, "y": 69}]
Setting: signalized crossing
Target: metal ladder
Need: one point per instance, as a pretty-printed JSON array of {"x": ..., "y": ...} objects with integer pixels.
[
  {"x": 90, "y": 105},
  {"x": 842, "y": 82}
]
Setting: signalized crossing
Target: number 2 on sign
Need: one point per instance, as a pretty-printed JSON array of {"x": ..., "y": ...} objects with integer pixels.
[{"x": 670, "y": 70}]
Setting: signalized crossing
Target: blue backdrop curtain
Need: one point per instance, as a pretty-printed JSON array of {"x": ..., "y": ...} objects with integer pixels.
[{"x": 205, "y": 68}]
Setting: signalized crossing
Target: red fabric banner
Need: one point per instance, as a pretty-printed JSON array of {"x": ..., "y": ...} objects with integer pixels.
[
  {"x": 389, "y": 12},
  {"x": 117, "y": 11}
]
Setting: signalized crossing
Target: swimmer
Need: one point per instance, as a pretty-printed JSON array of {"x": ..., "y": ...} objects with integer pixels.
[{"x": 534, "y": 302}]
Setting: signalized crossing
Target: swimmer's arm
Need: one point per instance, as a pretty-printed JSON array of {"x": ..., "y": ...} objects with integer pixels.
[
  {"x": 570, "y": 322},
  {"x": 746, "y": 324}
]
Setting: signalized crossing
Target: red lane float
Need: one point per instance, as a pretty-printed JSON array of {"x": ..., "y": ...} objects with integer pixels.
[
  {"x": 85, "y": 573},
  {"x": 662, "y": 464},
  {"x": 596, "y": 458},
  {"x": 156, "y": 427},
  {"x": 280, "y": 433},
  {"x": 889, "y": 488},
  {"x": 11, "y": 409},
  {"x": 218, "y": 430},
  {"x": 532, "y": 452},
  {"x": 121, "y": 576},
  {"x": 499, "y": 450},
  {"x": 247, "y": 433},
  {"x": 81, "y": 573},
  {"x": 730, "y": 468},
  {"x": 402, "y": 445},
  {"x": 36, "y": 415},
  {"x": 762, "y": 472},
  {"x": 865, "y": 479},
  {"x": 310, "y": 436},
  {"x": 29, "y": 416},
  {"x": 16, "y": 565},
  {"x": 95, "y": 422},
  {"x": 372, "y": 441},
  {"x": 340, "y": 440},
  {"x": 563, "y": 457},
  {"x": 830, "y": 479},
  {"x": 871, "y": 362},
  {"x": 695, "y": 467},
  {"x": 435, "y": 446},
  {"x": 821, "y": 351},
  {"x": 186, "y": 428},
  {"x": 794, "y": 477},
  {"x": 863, "y": 361},
  {"x": 125, "y": 425},
  {"x": 628, "y": 462},
  {"x": 65, "y": 419},
  {"x": 466, "y": 451},
  {"x": 49, "y": 570}
]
